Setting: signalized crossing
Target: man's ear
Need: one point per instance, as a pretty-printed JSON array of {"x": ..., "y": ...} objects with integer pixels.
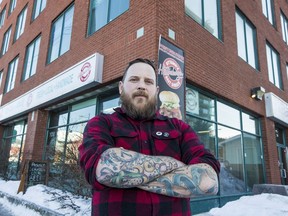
[
  {"x": 157, "y": 91},
  {"x": 120, "y": 87}
]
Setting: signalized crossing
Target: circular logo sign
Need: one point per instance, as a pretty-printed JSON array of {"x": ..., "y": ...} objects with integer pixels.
[
  {"x": 85, "y": 72},
  {"x": 172, "y": 73}
]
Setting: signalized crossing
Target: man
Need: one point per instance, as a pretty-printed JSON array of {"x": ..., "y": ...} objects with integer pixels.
[{"x": 140, "y": 162}]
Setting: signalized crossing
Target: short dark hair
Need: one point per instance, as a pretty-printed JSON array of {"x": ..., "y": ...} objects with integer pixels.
[{"x": 143, "y": 60}]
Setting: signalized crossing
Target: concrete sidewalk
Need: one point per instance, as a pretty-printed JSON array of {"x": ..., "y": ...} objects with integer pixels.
[{"x": 40, "y": 209}]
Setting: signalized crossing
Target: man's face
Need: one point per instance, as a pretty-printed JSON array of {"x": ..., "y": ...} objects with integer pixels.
[{"x": 138, "y": 91}]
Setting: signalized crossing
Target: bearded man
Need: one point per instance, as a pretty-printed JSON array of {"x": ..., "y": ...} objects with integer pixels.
[{"x": 139, "y": 162}]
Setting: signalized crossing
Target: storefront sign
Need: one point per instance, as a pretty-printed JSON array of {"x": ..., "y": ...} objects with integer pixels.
[
  {"x": 171, "y": 79},
  {"x": 276, "y": 108},
  {"x": 88, "y": 71}
]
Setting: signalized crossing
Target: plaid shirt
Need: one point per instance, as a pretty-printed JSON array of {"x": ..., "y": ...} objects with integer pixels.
[{"x": 157, "y": 136}]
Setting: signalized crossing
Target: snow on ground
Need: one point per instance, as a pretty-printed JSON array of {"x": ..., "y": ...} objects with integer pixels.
[
  {"x": 54, "y": 199},
  {"x": 68, "y": 204}
]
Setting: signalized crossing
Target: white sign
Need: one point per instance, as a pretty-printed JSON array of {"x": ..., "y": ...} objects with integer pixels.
[
  {"x": 87, "y": 71},
  {"x": 276, "y": 108}
]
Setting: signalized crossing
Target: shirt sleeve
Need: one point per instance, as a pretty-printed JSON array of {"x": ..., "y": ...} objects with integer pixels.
[
  {"x": 96, "y": 139},
  {"x": 193, "y": 150}
]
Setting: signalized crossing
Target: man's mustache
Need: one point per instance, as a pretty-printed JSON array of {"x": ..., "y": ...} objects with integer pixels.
[{"x": 140, "y": 93}]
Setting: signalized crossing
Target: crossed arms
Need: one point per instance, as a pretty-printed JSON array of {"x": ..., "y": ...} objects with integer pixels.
[{"x": 165, "y": 175}]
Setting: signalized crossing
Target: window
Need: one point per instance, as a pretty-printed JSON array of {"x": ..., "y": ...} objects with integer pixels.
[
  {"x": 104, "y": 11},
  {"x": 5, "y": 42},
  {"x": 2, "y": 17},
  {"x": 39, "y": 6},
  {"x": 206, "y": 13},
  {"x": 14, "y": 139},
  {"x": 284, "y": 26},
  {"x": 268, "y": 11},
  {"x": 31, "y": 58},
  {"x": 273, "y": 62},
  {"x": 246, "y": 40},
  {"x": 12, "y": 6},
  {"x": 61, "y": 34},
  {"x": 20, "y": 23},
  {"x": 234, "y": 136},
  {"x": 10, "y": 80}
]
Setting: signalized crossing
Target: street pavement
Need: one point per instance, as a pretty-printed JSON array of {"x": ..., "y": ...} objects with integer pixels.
[{"x": 4, "y": 211}]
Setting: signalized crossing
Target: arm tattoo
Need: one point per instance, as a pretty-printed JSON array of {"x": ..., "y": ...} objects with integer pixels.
[
  {"x": 122, "y": 168},
  {"x": 189, "y": 181}
]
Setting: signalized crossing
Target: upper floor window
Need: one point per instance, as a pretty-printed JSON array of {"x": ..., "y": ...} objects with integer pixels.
[
  {"x": 20, "y": 23},
  {"x": 104, "y": 11},
  {"x": 206, "y": 13},
  {"x": 12, "y": 6},
  {"x": 273, "y": 63},
  {"x": 10, "y": 80},
  {"x": 61, "y": 34},
  {"x": 2, "y": 17},
  {"x": 38, "y": 7},
  {"x": 246, "y": 40},
  {"x": 5, "y": 42},
  {"x": 268, "y": 10},
  {"x": 284, "y": 25},
  {"x": 31, "y": 58}
]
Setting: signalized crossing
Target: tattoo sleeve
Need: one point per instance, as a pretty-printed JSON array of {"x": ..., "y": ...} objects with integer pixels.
[
  {"x": 122, "y": 168},
  {"x": 186, "y": 182}
]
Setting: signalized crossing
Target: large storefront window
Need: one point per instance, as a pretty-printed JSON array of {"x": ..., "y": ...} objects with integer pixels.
[
  {"x": 64, "y": 135},
  {"x": 13, "y": 145},
  {"x": 233, "y": 136}
]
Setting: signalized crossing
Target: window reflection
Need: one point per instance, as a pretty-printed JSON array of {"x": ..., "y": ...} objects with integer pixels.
[
  {"x": 250, "y": 124},
  {"x": 107, "y": 106},
  {"x": 205, "y": 131},
  {"x": 228, "y": 115},
  {"x": 231, "y": 159},
  {"x": 253, "y": 161}
]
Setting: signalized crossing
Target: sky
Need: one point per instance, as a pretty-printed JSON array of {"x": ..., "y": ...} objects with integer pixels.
[{"x": 262, "y": 204}]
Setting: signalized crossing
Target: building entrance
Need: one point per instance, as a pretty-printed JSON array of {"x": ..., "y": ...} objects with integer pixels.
[{"x": 282, "y": 155}]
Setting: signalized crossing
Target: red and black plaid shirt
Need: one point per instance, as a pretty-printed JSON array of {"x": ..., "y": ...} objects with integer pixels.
[{"x": 157, "y": 136}]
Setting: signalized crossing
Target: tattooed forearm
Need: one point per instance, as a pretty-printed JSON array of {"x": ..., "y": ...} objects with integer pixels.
[
  {"x": 122, "y": 168},
  {"x": 189, "y": 181}
]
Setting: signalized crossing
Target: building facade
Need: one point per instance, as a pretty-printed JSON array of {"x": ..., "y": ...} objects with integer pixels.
[{"x": 61, "y": 61}]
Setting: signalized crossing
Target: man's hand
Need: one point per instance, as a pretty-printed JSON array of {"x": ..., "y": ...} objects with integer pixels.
[{"x": 122, "y": 168}]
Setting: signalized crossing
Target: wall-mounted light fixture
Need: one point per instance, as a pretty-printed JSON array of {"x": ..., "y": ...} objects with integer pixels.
[{"x": 257, "y": 93}]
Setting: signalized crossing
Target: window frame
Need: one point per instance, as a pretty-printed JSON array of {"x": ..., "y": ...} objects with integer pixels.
[
  {"x": 27, "y": 59},
  {"x": 42, "y": 6},
  {"x": 203, "y": 18},
  {"x": 247, "y": 22},
  {"x": 2, "y": 16},
  {"x": 11, "y": 75},
  {"x": 279, "y": 72},
  {"x": 91, "y": 22},
  {"x": 6, "y": 41},
  {"x": 268, "y": 11},
  {"x": 20, "y": 23},
  {"x": 284, "y": 27},
  {"x": 12, "y": 6},
  {"x": 51, "y": 40}
]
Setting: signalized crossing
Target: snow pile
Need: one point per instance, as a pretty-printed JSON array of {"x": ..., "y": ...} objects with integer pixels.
[
  {"x": 51, "y": 198},
  {"x": 262, "y": 204}
]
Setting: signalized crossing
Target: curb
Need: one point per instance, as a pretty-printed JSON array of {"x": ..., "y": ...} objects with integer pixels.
[{"x": 18, "y": 201}]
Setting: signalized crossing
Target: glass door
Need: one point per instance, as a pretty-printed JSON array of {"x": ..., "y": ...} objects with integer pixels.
[{"x": 282, "y": 155}]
